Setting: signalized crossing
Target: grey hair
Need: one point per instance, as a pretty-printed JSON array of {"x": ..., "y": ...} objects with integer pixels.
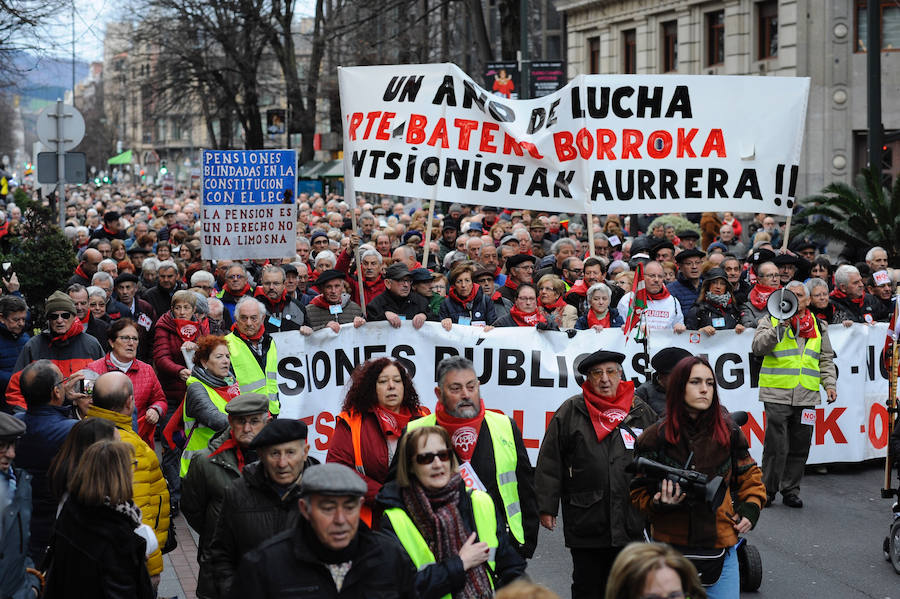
[
  {"x": 202, "y": 276},
  {"x": 73, "y": 288},
  {"x": 98, "y": 291},
  {"x": 271, "y": 268},
  {"x": 102, "y": 276},
  {"x": 106, "y": 262},
  {"x": 843, "y": 272},
  {"x": 598, "y": 288},
  {"x": 303, "y": 240},
  {"x": 453, "y": 363},
  {"x": 150, "y": 264},
  {"x": 202, "y": 306},
  {"x": 814, "y": 283},
  {"x": 326, "y": 255},
  {"x": 871, "y": 253},
  {"x": 795, "y": 284},
  {"x": 235, "y": 265},
  {"x": 370, "y": 253},
  {"x": 166, "y": 264},
  {"x": 557, "y": 245},
  {"x": 247, "y": 299}
]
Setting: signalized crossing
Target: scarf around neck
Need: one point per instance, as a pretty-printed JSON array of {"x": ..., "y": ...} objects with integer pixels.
[
  {"x": 804, "y": 325},
  {"x": 759, "y": 295},
  {"x": 466, "y": 302},
  {"x": 392, "y": 423},
  {"x": 320, "y": 302},
  {"x": 231, "y": 443},
  {"x": 463, "y": 431},
  {"x": 254, "y": 339},
  {"x": 661, "y": 295},
  {"x": 559, "y": 303},
  {"x": 76, "y": 329},
  {"x": 838, "y": 294},
  {"x": 608, "y": 412},
  {"x": 594, "y": 320},
  {"x": 526, "y": 319},
  {"x": 276, "y": 307}
]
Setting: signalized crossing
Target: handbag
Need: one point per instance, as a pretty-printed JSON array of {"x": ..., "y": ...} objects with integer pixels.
[{"x": 708, "y": 562}]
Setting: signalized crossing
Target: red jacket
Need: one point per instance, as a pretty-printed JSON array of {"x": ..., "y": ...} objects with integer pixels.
[
  {"x": 373, "y": 288},
  {"x": 147, "y": 391},
  {"x": 168, "y": 359}
]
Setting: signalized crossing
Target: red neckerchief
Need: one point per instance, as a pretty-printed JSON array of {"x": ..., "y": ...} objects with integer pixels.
[
  {"x": 320, "y": 302},
  {"x": 593, "y": 320},
  {"x": 231, "y": 443},
  {"x": 496, "y": 296},
  {"x": 497, "y": 272},
  {"x": 86, "y": 319},
  {"x": 759, "y": 295},
  {"x": 255, "y": 338},
  {"x": 579, "y": 288},
  {"x": 188, "y": 330},
  {"x": 607, "y": 413},
  {"x": 114, "y": 234},
  {"x": 463, "y": 301},
  {"x": 276, "y": 307},
  {"x": 526, "y": 319},
  {"x": 242, "y": 292},
  {"x": 463, "y": 431},
  {"x": 228, "y": 392},
  {"x": 838, "y": 294},
  {"x": 416, "y": 265},
  {"x": 4, "y": 229},
  {"x": 80, "y": 272},
  {"x": 76, "y": 329},
  {"x": 803, "y": 324},
  {"x": 559, "y": 303},
  {"x": 372, "y": 284},
  {"x": 392, "y": 423},
  {"x": 663, "y": 294},
  {"x": 510, "y": 283}
]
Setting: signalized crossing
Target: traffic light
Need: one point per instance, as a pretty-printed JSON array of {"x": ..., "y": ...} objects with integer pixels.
[{"x": 163, "y": 169}]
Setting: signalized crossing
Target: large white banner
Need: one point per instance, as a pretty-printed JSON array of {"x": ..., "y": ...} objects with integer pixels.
[
  {"x": 603, "y": 143},
  {"x": 527, "y": 374}
]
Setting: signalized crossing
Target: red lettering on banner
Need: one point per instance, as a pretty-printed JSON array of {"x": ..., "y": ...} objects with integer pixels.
[
  {"x": 829, "y": 424},
  {"x": 519, "y": 417},
  {"x": 585, "y": 143},
  {"x": 439, "y": 134},
  {"x": 323, "y": 421},
  {"x": 562, "y": 141},
  {"x": 356, "y": 120},
  {"x": 879, "y": 412},
  {"x": 714, "y": 143},
  {"x": 631, "y": 143},
  {"x": 465, "y": 127},
  {"x": 384, "y": 133},
  {"x": 684, "y": 143},
  {"x": 666, "y": 139},
  {"x": 606, "y": 142},
  {"x": 415, "y": 131},
  {"x": 531, "y": 149},
  {"x": 371, "y": 117},
  {"x": 511, "y": 145},
  {"x": 548, "y": 416},
  {"x": 753, "y": 429},
  {"x": 487, "y": 137}
]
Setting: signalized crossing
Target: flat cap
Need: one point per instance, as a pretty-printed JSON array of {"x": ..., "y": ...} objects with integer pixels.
[
  {"x": 517, "y": 259},
  {"x": 10, "y": 427},
  {"x": 282, "y": 430},
  {"x": 717, "y": 245},
  {"x": 333, "y": 479},
  {"x": 509, "y": 239},
  {"x": 136, "y": 249},
  {"x": 248, "y": 403},
  {"x": 481, "y": 273},
  {"x": 537, "y": 224},
  {"x": 693, "y": 253},
  {"x": 169, "y": 212},
  {"x": 474, "y": 226},
  {"x": 665, "y": 359},
  {"x": 127, "y": 277},
  {"x": 688, "y": 234},
  {"x": 454, "y": 208},
  {"x": 449, "y": 226},
  {"x": 328, "y": 275},
  {"x": 421, "y": 275},
  {"x": 397, "y": 271},
  {"x": 289, "y": 269},
  {"x": 599, "y": 357}
]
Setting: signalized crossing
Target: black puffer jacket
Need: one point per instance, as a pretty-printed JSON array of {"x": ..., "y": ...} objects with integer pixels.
[
  {"x": 252, "y": 512},
  {"x": 447, "y": 576},
  {"x": 706, "y": 314},
  {"x": 480, "y": 308}
]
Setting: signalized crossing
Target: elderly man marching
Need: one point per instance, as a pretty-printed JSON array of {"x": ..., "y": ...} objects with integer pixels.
[
  {"x": 254, "y": 357},
  {"x": 582, "y": 461}
]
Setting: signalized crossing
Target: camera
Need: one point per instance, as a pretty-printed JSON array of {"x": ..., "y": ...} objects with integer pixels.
[
  {"x": 697, "y": 486},
  {"x": 86, "y": 386}
]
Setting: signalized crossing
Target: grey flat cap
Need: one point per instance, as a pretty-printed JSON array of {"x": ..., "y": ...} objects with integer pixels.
[
  {"x": 332, "y": 479},
  {"x": 10, "y": 427},
  {"x": 248, "y": 403}
]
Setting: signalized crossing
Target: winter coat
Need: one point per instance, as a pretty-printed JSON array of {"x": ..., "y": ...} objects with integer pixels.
[
  {"x": 564, "y": 317},
  {"x": 252, "y": 512},
  {"x": 615, "y": 320},
  {"x": 98, "y": 328},
  {"x": 70, "y": 355},
  {"x": 287, "y": 566},
  {"x": 168, "y": 359},
  {"x": 481, "y": 308},
  {"x": 707, "y": 314},
  {"x": 509, "y": 321},
  {"x": 406, "y": 307},
  {"x": 692, "y": 524},
  {"x": 371, "y": 289},
  {"x": 750, "y": 314},
  {"x": 291, "y": 317},
  {"x": 501, "y": 306},
  {"x": 161, "y": 299},
  {"x": 588, "y": 477},
  {"x": 653, "y": 395},
  {"x": 684, "y": 292},
  {"x": 151, "y": 494},
  {"x": 198, "y": 404},
  {"x": 46, "y": 428},
  {"x": 844, "y": 309},
  {"x": 96, "y": 553},
  {"x": 15, "y": 583},
  {"x": 448, "y": 576},
  {"x": 147, "y": 391},
  {"x": 319, "y": 317},
  {"x": 10, "y": 348}
]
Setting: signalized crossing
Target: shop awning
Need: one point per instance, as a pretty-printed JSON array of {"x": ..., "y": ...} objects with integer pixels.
[{"x": 332, "y": 169}]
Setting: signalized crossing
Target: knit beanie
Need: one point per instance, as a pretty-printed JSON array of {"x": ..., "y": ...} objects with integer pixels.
[{"x": 59, "y": 302}]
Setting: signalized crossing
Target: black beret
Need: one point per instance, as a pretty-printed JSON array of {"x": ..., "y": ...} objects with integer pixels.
[
  {"x": 328, "y": 275},
  {"x": 804, "y": 245},
  {"x": 692, "y": 253},
  {"x": 665, "y": 359},
  {"x": 136, "y": 249},
  {"x": 688, "y": 234},
  {"x": 517, "y": 259},
  {"x": 449, "y": 226},
  {"x": 10, "y": 427},
  {"x": 111, "y": 216},
  {"x": 784, "y": 259},
  {"x": 661, "y": 245},
  {"x": 761, "y": 255},
  {"x": 282, "y": 430},
  {"x": 127, "y": 277},
  {"x": 599, "y": 357},
  {"x": 413, "y": 233}
]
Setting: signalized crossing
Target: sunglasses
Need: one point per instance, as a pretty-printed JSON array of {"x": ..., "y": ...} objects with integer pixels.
[
  {"x": 59, "y": 316},
  {"x": 423, "y": 459}
]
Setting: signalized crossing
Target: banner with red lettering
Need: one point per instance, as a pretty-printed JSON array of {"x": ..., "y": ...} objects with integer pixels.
[
  {"x": 527, "y": 374},
  {"x": 603, "y": 143}
]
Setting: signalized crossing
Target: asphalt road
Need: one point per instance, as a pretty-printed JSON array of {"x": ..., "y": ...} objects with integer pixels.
[{"x": 831, "y": 548}]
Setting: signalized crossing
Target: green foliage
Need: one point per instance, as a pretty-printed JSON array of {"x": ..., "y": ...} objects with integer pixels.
[
  {"x": 680, "y": 223},
  {"x": 861, "y": 216},
  {"x": 41, "y": 255}
]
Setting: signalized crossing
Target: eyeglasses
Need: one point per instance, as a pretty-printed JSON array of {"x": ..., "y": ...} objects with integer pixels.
[
  {"x": 609, "y": 372},
  {"x": 59, "y": 316},
  {"x": 127, "y": 339},
  {"x": 235, "y": 277},
  {"x": 423, "y": 459},
  {"x": 577, "y": 271}
]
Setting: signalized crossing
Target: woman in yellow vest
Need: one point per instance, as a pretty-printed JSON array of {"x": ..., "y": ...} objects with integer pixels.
[
  {"x": 210, "y": 386},
  {"x": 454, "y": 535}
]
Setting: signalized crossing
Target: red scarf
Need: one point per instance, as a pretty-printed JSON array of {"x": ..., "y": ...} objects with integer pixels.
[
  {"x": 255, "y": 338},
  {"x": 607, "y": 413},
  {"x": 76, "y": 329},
  {"x": 229, "y": 392},
  {"x": 392, "y": 423},
  {"x": 112, "y": 233},
  {"x": 593, "y": 320},
  {"x": 463, "y": 301},
  {"x": 838, "y": 294},
  {"x": 526, "y": 319},
  {"x": 231, "y": 443},
  {"x": 188, "y": 330},
  {"x": 496, "y": 296},
  {"x": 277, "y": 307},
  {"x": 80, "y": 272},
  {"x": 759, "y": 295},
  {"x": 510, "y": 283},
  {"x": 559, "y": 303},
  {"x": 319, "y": 302},
  {"x": 86, "y": 319},
  {"x": 463, "y": 431},
  {"x": 663, "y": 294},
  {"x": 242, "y": 292},
  {"x": 804, "y": 325}
]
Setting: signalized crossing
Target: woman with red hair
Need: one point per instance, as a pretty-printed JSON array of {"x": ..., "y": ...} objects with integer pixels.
[
  {"x": 380, "y": 402},
  {"x": 698, "y": 433}
]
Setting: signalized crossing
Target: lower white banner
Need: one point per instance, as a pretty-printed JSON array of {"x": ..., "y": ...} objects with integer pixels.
[{"x": 527, "y": 374}]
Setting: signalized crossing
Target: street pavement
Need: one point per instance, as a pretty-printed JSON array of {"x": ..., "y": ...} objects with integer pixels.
[{"x": 831, "y": 548}]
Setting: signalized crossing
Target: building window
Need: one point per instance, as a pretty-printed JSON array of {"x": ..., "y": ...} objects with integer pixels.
[
  {"x": 767, "y": 23},
  {"x": 554, "y": 52},
  {"x": 594, "y": 54},
  {"x": 670, "y": 46},
  {"x": 629, "y": 51},
  {"x": 890, "y": 25},
  {"x": 715, "y": 38}
]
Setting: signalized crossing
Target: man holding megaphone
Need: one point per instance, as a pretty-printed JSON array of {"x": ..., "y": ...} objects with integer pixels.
[{"x": 797, "y": 361}]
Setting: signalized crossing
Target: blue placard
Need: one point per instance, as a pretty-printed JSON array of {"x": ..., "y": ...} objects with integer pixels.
[{"x": 242, "y": 177}]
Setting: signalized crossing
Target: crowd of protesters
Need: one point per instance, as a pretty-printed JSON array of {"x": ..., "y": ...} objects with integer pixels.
[{"x": 174, "y": 353}]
